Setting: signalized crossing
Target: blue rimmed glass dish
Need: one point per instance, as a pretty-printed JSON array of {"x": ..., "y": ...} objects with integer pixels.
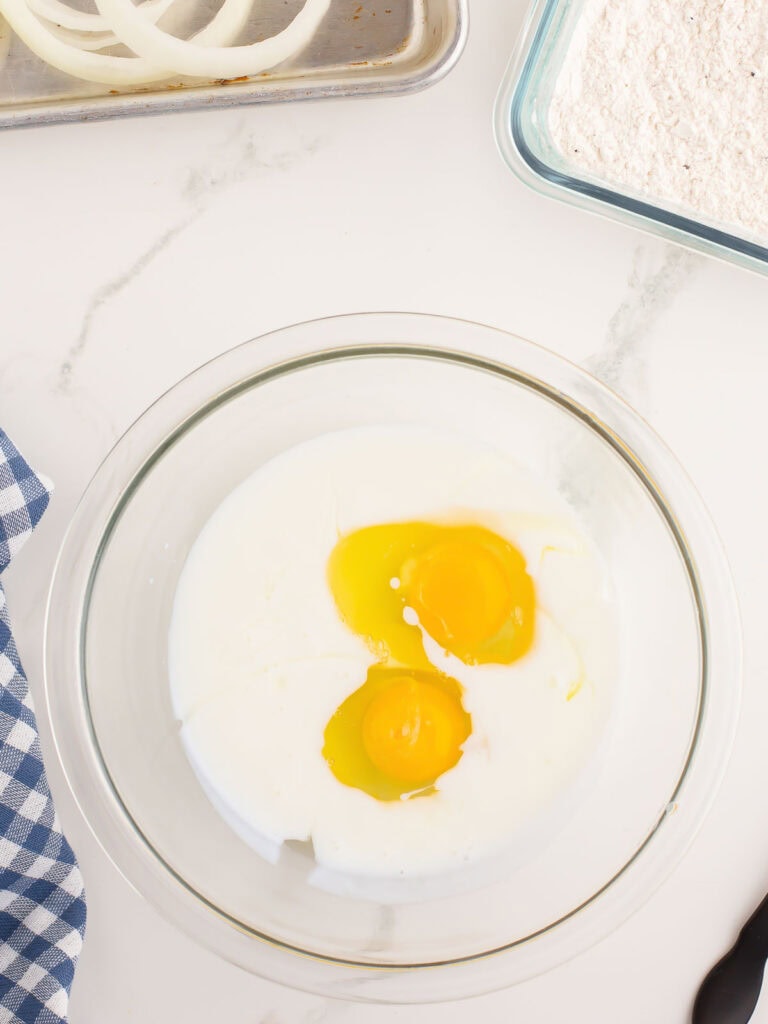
[{"x": 521, "y": 123}]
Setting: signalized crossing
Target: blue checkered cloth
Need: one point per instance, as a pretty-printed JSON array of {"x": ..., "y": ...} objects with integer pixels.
[{"x": 42, "y": 907}]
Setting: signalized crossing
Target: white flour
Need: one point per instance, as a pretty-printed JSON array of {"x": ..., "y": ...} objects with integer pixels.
[{"x": 670, "y": 100}]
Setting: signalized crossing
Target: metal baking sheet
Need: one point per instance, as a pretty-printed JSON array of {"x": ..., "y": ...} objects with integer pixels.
[{"x": 362, "y": 47}]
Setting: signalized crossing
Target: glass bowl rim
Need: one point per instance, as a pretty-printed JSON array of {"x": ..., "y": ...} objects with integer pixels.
[{"x": 286, "y": 351}]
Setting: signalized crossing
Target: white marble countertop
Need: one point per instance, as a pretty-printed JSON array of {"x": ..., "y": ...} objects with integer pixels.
[{"x": 132, "y": 251}]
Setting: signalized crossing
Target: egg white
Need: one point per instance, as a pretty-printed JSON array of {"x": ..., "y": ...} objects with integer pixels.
[{"x": 259, "y": 659}]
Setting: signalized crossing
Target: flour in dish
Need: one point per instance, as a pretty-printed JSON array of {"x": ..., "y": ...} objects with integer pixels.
[
  {"x": 394, "y": 643},
  {"x": 670, "y": 101}
]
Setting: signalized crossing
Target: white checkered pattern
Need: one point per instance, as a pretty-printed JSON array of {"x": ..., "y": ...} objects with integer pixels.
[{"x": 42, "y": 907}]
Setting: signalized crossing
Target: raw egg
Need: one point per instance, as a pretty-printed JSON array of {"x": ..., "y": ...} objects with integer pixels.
[
  {"x": 398, "y": 733},
  {"x": 467, "y": 586}
]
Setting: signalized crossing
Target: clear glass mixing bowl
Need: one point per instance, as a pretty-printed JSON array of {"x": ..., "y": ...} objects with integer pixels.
[{"x": 106, "y": 672}]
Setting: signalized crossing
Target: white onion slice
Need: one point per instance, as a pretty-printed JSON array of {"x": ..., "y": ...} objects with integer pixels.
[
  {"x": 231, "y": 23},
  {"x": 227, "y": 24},
  {"x": 60, "y": 13},
  {"x": 105, "y": 68},
  {"x": 84, "y": 40},
  {"x": 5, "y": 40},
  {"x": 93, "y": 67},
  {"x": 205, "y": 60}
]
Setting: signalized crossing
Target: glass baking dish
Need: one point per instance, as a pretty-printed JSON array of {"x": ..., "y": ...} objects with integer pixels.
[{"x": 521, "y": 124}]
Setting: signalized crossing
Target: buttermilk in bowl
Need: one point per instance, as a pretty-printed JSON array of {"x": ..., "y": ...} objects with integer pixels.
[{"x": 395, "y": 644}]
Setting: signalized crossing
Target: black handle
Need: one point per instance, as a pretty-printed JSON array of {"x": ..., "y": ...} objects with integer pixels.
[
  {"x": 730, "y": 991},
  {"x": 755, "y": 931}
]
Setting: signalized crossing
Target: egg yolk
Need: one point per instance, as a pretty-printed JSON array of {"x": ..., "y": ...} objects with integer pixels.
[
  {"x": 468, "y": 587},
  {"x": 396, "y": 734},
  {"x": 412, "y": 732}
]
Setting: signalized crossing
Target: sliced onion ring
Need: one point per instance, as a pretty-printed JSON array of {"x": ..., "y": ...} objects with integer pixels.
[
  {"x": 101, "y": 40},
  {"x": 195, "y": 59},
  {"x": 93, "y": 67},
  {"x": 84, "y": 40},
  {"x": 60, "y": 13},
  {"x": 105, "y": 68}
]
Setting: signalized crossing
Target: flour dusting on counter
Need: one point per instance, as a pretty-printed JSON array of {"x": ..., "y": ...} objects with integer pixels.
[{"x": 670, "y": 100}]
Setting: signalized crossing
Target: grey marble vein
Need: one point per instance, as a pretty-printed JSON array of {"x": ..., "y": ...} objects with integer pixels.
[
  {"x": 329, "y": 1011},
  {"x": 657, "y": 276},
  {"x": 108, "y": 291},
  {"x": 381, "y": 939},
  {"x": 233, "y": 161},
  {"x": 219, "y": 173}
]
